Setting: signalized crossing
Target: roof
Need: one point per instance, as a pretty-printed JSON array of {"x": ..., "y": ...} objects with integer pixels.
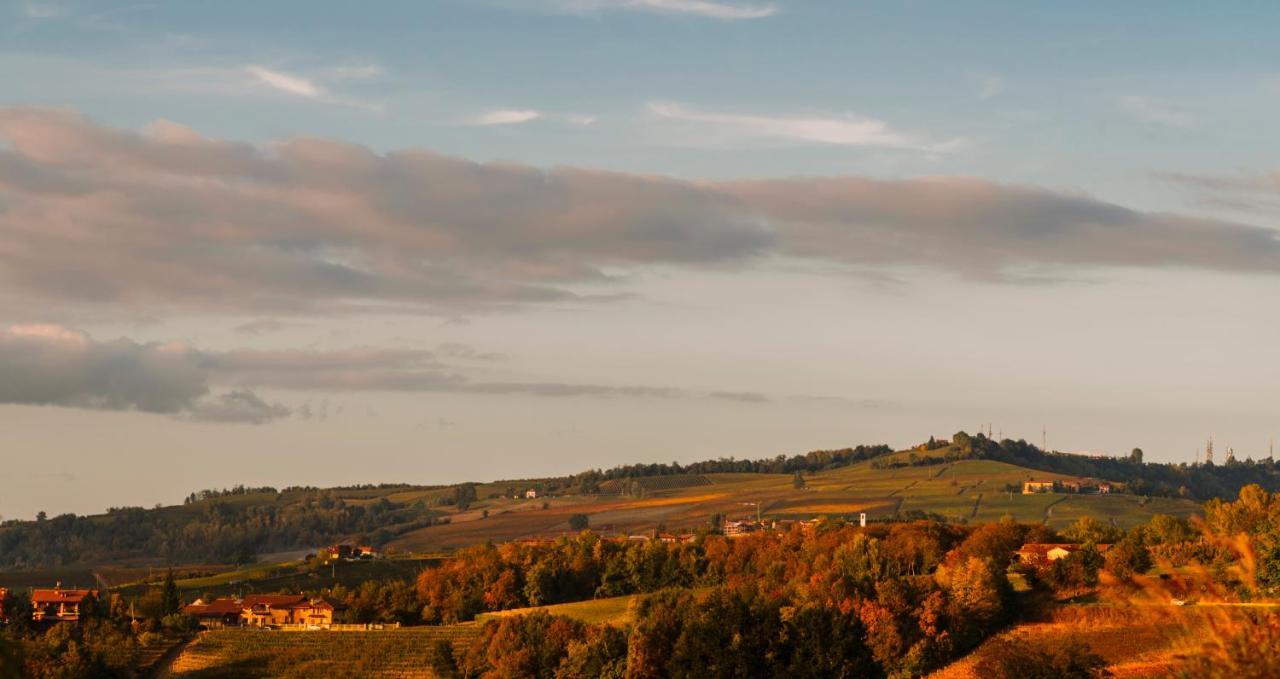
[
  {"x": 273, "y": 600},
  {"x": 329, "y": 604},
  {"x": 55, "y": 596},
  {"x": 1046, "y": 547},
  {"x": 216, "y": 608}
]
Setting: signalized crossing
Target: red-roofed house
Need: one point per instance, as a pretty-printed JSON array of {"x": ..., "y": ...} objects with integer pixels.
[
  {"x": 265, "y": 610},
  {"x": 268, "y": 610},
  {"x": 216, "y": 613},
  {"x": 59, "y": 604},
  {"x": 1042, "y": 553}
]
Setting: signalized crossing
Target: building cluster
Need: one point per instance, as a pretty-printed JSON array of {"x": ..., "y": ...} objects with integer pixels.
[
  {"x": 1041, "y": 553},
  {"x": 267, "y": 610},
  {"x": 1084, "y": 486},
  {"x": 51, "y": 605},
  {"x": 732, "y": 528},
  {"x": 348, "y": 552}
]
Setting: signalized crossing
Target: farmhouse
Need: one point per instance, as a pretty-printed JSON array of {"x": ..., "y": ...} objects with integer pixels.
[
  {"x": 1031, "y": 487},
  {"x": 1042, "y": 553},
  {"x": 266, "y": 610},
  {"x": 216, "y": 613},
  {"x": 59, "y": 604},
  {"x": 531, "y": 494},
  {"x": 271, "y": 610},
  {"x": 735, "y": 528}
]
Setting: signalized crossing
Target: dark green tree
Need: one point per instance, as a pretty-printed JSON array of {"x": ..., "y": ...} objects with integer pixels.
[{"x": 170, "y": 599}]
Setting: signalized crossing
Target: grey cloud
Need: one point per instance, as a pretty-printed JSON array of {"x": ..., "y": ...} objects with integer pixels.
[
  {"x": 240, "y": 405},
  {"x": 57, "y": 366},
  {"x": 177, "y": 222},
  {"x": 739, "y": 396},
  {"x": 51, "y": 365}
]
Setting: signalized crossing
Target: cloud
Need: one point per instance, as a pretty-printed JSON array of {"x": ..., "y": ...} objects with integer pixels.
[
  {"x": 582, "y": 120},
  {"x": 1155, "y": 111},
  {"x": 42, "y": 10},
  {"x": 505, "y": 117},
  {"x": 846, "y": 131},
  {"x": 53, "y": 365},
  {"x": 56, "y": 366},
  {"x": 724, "y": 11},
  {"x": 240, "y": 405},
  {"x": 989, "y": 86},
  {"x": 286, "y": 83},
  {"x": 173, "y": 222}
]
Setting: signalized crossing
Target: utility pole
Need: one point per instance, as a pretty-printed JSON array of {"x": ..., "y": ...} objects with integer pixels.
[{"x": 1044, "y": 439}]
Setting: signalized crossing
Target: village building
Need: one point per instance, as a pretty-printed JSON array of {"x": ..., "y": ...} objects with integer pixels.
[
  {"x": 274, "y": 610},
  {"x": 266, "y": 610},
  {"x": 62, "y": 605},
  {"x": 531, "y": 494},
  {"x": 736, "y": 528},
  {"x": 215, "y": 614},
  {"x": 1038, "y": 554}
]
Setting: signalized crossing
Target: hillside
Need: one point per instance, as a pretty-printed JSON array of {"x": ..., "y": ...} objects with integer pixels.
[{"x": 962, "y": 481}]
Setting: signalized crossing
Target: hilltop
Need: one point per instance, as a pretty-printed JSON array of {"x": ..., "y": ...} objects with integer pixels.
[{"x": 966, "y": 479}]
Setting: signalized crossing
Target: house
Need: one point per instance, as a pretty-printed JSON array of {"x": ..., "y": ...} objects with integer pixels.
[
  {"x": 59, "y": 604},
  {"x": 273, "y": 610},
  {"x": 531, "y": 494},
  {"x": 318, "y": 612},
  {"x": 1104, "y": 488},
  {"x": 217, "y": 613},
  {"x": 266, "y": 610},
  {"x": 337, "y": 552},
  {"x": 1039, "y": 554},
  {"x": 366, "y": 552},
  {"x": 1031, "y": 487},
  {"x": 735, "y": 528}
]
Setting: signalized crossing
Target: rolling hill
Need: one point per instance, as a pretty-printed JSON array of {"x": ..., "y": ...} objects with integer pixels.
[{"x": 968, "y": 481}]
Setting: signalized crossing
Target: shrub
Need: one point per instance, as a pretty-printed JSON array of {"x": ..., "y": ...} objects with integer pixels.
[{"x": 1017, "y": 659}]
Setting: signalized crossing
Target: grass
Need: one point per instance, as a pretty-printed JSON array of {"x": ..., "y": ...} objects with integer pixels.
[
  {"x": 613, "y": 610},
  {"x": 1135, "y": 643},
  {"x": 295, "y": 576}
]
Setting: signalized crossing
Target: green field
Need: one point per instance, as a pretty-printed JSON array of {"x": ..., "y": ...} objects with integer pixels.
[
  {"x": 296, "y": 576},
  {"x": 228, "y": 654},
  {"x": 614, "y": 611}
]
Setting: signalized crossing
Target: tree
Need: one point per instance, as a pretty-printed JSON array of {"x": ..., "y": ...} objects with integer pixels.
[
  {"x": 171, "y": 601},
  {"x": 1128, "y": 557},
  {"x": 1087, "y": 529},
  {"x": 463, "y": 495},
  {"x": 1135, "y": 456},
  {"x": 797, "y": 482},
  {"x": 579, "y": 522},
  {"x": 443, "y": 663}
]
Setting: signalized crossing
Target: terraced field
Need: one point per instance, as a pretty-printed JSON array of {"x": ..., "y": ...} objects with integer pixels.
[
  {"x": 968, "y": 490},
  {"x": 400, "y": 653}
]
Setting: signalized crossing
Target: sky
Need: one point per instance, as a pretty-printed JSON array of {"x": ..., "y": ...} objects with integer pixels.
[{"x": 426, "y": 242}]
